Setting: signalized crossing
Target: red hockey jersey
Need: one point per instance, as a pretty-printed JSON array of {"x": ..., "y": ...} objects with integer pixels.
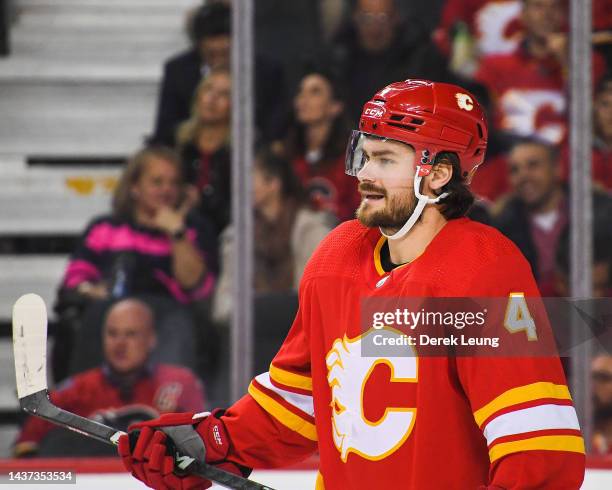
[
  {"x": 529, "y": 93},
  {"x": 495, "y": 24},
  {"x": 328, "y": 188},
  {"x": 409, "y": 422}
]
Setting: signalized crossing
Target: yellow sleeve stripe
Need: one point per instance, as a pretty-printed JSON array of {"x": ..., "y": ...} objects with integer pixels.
[
  {"x": 290, "y": 379},
  {"x": 522, "y": 394},
  {"x": 283, "y": 415},
  {"x": 319, "y": 484},
  {"x": 574, "y": 444}
]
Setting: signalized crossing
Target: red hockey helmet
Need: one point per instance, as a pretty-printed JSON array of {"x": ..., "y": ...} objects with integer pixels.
[{"x": 429, "y": 116}]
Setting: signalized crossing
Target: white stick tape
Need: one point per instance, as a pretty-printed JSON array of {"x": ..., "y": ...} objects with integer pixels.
[{"x": 30, "y": 344}]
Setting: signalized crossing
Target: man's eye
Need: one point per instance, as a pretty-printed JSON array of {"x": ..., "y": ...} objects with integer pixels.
[{"x": 386, "y": 161}]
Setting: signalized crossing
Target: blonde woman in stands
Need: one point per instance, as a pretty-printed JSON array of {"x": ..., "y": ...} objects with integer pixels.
[
  {"x": 204, "y": 146},
  {"x": 151, "y": 247}
]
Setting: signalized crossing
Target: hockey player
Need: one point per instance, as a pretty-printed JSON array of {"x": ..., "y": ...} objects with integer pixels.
[{"x": 413, "y": 422}]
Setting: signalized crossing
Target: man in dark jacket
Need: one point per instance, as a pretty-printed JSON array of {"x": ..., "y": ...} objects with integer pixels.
[
  {"x": 211, "y": 45},
  {"x": 536, "y": 214},
  {"x": 377, "y": 48}
]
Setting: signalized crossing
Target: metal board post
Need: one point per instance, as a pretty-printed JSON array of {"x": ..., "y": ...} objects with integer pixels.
[
  {"x": 242, "y": 154},
  {"x": 581, "y": 206}
]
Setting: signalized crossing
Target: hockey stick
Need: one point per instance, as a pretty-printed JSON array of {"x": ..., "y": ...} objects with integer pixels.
[{"x": 30, "y": 350}]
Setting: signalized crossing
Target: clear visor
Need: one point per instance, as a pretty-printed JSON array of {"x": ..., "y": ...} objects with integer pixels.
[
  {"x": 355, "y": 156},
  {"x": 355, "y": 159}
]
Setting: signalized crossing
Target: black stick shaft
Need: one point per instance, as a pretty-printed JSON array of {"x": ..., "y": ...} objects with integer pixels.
[{"x": 38, "y": 404}]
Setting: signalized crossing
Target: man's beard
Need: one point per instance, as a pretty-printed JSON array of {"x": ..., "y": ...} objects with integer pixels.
[{"x": 393, "y": 216}]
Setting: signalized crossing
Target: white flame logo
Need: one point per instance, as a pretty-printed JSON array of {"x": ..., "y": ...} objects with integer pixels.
[{"x": 464, "y": 101}]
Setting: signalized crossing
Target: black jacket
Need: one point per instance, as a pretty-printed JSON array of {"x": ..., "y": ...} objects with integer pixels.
[
  {"x": 411, "y": 55},
  {"x": 182, "y": 73},
  {"x": 513, "y": 221},
  {"x": 215, "y": 202}
]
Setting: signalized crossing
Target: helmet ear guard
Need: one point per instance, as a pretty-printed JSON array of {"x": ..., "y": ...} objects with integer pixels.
[{"x": 425, "y": 157}]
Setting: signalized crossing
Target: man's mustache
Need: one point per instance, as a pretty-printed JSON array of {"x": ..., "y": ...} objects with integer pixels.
[{"x": 367, "y": 187}]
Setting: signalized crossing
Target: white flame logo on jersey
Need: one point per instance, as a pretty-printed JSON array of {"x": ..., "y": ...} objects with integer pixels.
[
  {"x": 464, "y": 101},
  {"x": 348, "y": 372}
]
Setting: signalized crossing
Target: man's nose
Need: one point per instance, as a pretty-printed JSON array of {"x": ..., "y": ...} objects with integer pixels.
[
  {"x": 119, "y": 340},
  {"x": 366, "y": 173}
]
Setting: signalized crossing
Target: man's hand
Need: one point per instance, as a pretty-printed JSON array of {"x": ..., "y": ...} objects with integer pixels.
[{"x": 149, "y": 449}]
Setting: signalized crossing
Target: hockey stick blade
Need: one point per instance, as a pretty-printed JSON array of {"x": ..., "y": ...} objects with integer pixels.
[{"x": 30, "y": 346}]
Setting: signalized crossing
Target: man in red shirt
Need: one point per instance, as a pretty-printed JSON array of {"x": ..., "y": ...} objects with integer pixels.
[
  {"x": 125, "y": 389},
  {"x": 385, "y": 420},
  {"x": 494, "y": 24},
  {"x": 528, "y": 85},
  {"x": 535, "y": 215}
]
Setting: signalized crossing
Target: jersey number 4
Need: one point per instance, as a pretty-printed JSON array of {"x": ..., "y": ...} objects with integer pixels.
[{"x": 518, "y": 318}]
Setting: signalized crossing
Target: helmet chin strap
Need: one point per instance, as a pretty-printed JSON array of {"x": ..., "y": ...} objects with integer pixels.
[{"x": 418, "y": 210}]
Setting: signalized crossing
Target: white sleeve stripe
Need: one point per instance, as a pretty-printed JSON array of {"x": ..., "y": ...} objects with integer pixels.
[
  {"x": 303, "y": 402},
  {"x": 541, "y": 417}
]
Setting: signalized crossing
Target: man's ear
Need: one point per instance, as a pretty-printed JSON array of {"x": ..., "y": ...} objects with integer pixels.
[{"x": 440, "y": 175}]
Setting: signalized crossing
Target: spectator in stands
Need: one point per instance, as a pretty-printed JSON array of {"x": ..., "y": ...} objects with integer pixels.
[
  {"x": 602, "y": 260},
  {"x": 601, "y": 374},
  {"x": 286, "y": 233},
  {"x": 149, "y": 246},
  {"x": 204, "y": 146},
  {"x": 376, "y": 48},
  {"x": 602, "y": 138},
  {"x": 470, "y": 29},
  {"x": 535, "y": 214},
  {"x": 529, "y": 84},
  {"x": 211, "y": 43},
  {"x": 316, "y": 144},
  {"x": 125, "y": 389}
]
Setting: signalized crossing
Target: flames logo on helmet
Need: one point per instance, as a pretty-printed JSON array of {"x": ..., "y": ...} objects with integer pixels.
[{"x": 464, "y": 101}]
